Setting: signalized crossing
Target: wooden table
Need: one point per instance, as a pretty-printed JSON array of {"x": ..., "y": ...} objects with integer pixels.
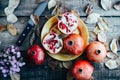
[{"x": 43, "y": 72}]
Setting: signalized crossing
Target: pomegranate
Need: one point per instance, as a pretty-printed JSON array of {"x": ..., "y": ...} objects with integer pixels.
[
  {"x": 35, "y": 54},
  {"x": 52, "y": 42},
  {"x": 73, "y": 44},
  {"x": 82, "y": 70},
  {"x": 96, "y": 51},
  {"x": 67, "y": 23}
]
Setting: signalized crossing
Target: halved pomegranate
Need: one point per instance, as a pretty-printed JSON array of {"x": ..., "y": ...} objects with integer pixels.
[
  {"x": 52, "y": 42},
  {"x": 73, "y": 44},
  {"x": 67, "y": 23}
]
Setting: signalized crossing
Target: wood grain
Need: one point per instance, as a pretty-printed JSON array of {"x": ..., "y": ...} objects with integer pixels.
[{"x": 43, "y": 72}]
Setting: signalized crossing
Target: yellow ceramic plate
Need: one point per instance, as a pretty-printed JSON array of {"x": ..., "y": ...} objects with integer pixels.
[{"x": 81, "y": 30}]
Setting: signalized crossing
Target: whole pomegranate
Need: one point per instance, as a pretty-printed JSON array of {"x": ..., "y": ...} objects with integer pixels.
[
  {"x": 82, "y": 70},
  {"x": 74, "y": 44},
  {"x": 35, "y": 54},
  {"x": 96, "y": 51}
]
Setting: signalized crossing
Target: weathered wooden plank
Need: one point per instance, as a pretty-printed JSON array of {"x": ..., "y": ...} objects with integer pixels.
[
  {"x": 7, "y": 39},
  {"x": 26, "y": 7}
]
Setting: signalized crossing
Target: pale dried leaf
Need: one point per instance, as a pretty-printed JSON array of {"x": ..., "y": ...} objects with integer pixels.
[
  {"x": 76, "y": 13},
  {"x": 8, "y": 11},
  {"x": 12, "y": 18},
  {"x": 12, "y": 29},
  {"x": 97, "y": 30},
  {"x": 35, "y": 19},
  {"x": 117, "y": 5},
  {"x": 92, "y": 18},
  {"x": 89, "y": 9},
  {"x": 113, "y": 46},
  {"x": 13, "y": 4},
  {"x": 2, "y": 27},
  {"x": 102, "y": 24},
  {"x": 15, "y": 76},
  {"x": 111, "y": 64},
  {"x": 92, "y": 36},
  {"x": 118, "y": 60},
  {"x": 102, "y": 36},
  {"x": 54, "y": 12},
  {"x": 112, "y": 55},
  {"x": 60, "y": 65},
  {"x": 51, "y": 4},
  {"x": 106, "y": 4},
  {"x": 67, "y": 64}
]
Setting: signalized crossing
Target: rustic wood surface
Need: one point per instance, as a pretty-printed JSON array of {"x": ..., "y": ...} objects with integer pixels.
[{"x": 43, "y": 72}]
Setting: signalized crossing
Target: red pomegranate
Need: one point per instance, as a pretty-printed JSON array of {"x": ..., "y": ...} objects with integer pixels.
[
  {"x": 35, "y": 54},
  {"x": 96, "y": 51},
  {"x": 73, "y": 44},
  {"x": 82, "y": 70}
]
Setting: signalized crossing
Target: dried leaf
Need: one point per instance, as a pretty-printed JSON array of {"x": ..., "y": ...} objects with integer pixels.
[
  {"x": 35, "y": 19},
  {"x": 102, "y": 36},
  {"x": 111, "y": 64},
  {"x": 67, "y": 64},
  {"x": 102, "y": 24},
  {"x": 97, "y": 30},
  {"x": 113, "y": 46},
  {"x": 92, "y": 36},
  {"x": 15, "y": 76},
  {"x": 112, "y": 55},
  {"x": 60, "y": 65},
  {"x": 13, "y": 4},
  {"x": 12, "y": 18},
  {"x": 2, "y": 27},
  {"x": 53, "y": 64},
  {"x": 106, "y": 4},
  {"x": 32, "y": 38},
  {"x": 51, "y": 4},
  {"x": 76, "y": 13},
  {"x": 54, "y": 12},
  {"x": 117, "y": 5},
  {"x": 12, "y": 29},
  {"x": 89, "y": 9},
  {"x": 118, "y": 60},
  {"x": 62, "y": 8},
  {"x": 8, "y": 11},
  {"x": 92, "y": 18}
]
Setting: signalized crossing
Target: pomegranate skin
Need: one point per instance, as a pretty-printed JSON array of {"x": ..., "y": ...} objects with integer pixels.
[
  {"x": 96, "y": 51},
  {"x": 35, "y": 54},
  {"x": 73, "y": 44},
  {"x": 82, "y": 70}
]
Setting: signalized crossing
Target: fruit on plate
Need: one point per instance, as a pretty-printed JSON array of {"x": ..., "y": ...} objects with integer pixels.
[
  {"x": 96, "y": 51},
  {"x": 67, "y": 23},
  {"x": 52, "y": 42},
  {"x": 82, "y": 70},
  {"x": 35, "y": 54},
  {"x": 73, "y": 44},
  {"x": 81, "y": 30}
]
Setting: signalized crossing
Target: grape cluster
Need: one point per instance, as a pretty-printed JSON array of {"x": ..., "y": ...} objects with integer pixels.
[{"x": 10, "y": 60}]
